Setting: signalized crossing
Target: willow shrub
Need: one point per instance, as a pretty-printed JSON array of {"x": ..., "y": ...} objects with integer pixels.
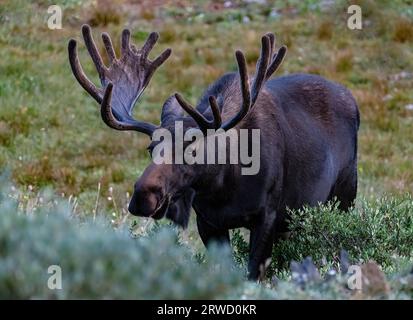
[{"x": 380, "y": 230}]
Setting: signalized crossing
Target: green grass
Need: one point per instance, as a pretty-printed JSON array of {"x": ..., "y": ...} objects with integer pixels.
[{"x": 51, "y": 134}]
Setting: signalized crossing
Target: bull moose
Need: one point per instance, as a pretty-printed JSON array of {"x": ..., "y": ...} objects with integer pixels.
[{"x": 308, "y": 138}]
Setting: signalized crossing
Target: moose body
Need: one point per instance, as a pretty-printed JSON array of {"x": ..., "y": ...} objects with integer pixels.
[
  {"x": 308, "y": 156},
  {"x": 308, "y": 141}
]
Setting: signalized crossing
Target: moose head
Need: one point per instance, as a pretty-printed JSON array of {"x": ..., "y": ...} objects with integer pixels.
[{"x": 166, "y": 189}]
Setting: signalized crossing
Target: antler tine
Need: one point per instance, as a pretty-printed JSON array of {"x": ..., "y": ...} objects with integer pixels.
[
  {"x": 276, "y": 62},
  {"x": 215, "y": 112},
  {"x": 149, "y": 44},
  {"x": 146, "y": 49},
  {"x": 79, "y": 74},
  {"x": 271, "y": 36},
  {"x": 201, "y": 121},
  {"x": 93, "y": 51},
  {"x": 125, "y": 41},
  {"x": 199, "y": 118},
  {"x": 245, "y": 91},
  {"x": 161, "y": 59},
  {"x": 106, "y": 110},
  {"x": 109, "y": 47},
  {"x": 261, "y": 69},
  {"x": 124, "y": 124}
]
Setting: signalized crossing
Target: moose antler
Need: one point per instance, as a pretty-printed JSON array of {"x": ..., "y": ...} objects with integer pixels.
[
  {"x": 123, "y": 81},
  {"x": 267, "y": 64}
]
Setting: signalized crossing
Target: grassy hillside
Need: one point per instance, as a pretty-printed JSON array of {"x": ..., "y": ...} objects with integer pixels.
[{"x": 51, "y": 134}]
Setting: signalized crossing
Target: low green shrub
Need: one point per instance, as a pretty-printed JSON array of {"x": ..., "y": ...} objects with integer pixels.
[
  {"x": 379, "y": 230},
  {"x": 99, "y": 262}
]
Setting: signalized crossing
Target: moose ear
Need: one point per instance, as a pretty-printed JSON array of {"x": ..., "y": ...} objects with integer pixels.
[
  {"x": 180, "y": 210},
  {"x": 170, "y": 111}
]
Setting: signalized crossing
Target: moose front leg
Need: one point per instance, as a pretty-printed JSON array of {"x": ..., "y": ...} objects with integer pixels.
[
  {"x": 210, "y": 233},
  {"x": 261, "y": 243}
]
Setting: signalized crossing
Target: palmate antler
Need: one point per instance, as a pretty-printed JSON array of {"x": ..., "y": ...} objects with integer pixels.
[
  {"x": 267, "y": 64},
  {"x": 122, "y": 82},
  {"x": 127, "y": 77}
]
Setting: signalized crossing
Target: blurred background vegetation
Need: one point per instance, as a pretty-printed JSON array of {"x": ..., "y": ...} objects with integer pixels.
[{"x": 51, "y": 134}]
